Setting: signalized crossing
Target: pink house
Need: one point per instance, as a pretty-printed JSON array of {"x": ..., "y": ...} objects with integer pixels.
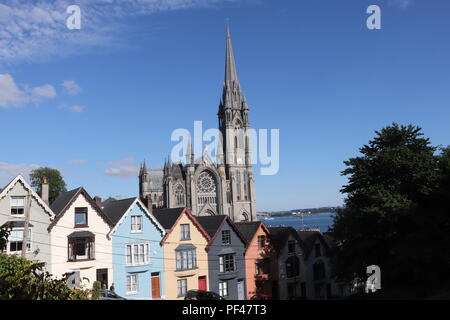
[{"x": 258, "y": 257}]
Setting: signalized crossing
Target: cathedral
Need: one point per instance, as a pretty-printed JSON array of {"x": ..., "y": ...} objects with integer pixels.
[{"x": 223, "y": 187}]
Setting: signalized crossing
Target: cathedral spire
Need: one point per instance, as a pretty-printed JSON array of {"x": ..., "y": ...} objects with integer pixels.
[{"x": 230, "y": 64}]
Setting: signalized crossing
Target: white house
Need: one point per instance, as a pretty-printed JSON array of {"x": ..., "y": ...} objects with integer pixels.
[
  {"x": 79, "y": 238},
  {"x": 15, "y": 199}
]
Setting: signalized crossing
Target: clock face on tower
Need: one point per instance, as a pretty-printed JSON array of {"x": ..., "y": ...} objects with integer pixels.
[{"x": 206, "y": 183}]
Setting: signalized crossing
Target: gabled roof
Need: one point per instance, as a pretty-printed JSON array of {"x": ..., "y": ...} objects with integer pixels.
[
  {"x": 118, "y": 209},
  {"x": 248, "y": 229},
  {"x": 280, "y": 235},
  {"x": 212, "y": 224},
  {"x": 65, "y": 200},
  {"x": 41, "y": 202},
  {"x": 169, "y": 218},
  {"x": 309, "y": 238}
]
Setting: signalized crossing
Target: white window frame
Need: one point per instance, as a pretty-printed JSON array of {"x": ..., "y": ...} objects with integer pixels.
[
  {"x": 130, "y": 285},
  {"x": 134, "y": 224},
  {"x": 16, "y": 206},
  {"x": 223, "y": 288},
  {"x": 29, "y": 243},
  {"x": 181, "y": 284},
  {"x": 140, "y": 254}
]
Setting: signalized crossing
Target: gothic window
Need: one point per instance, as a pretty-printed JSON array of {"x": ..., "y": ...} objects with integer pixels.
[
  {"x": 238, "y": 185},
  {"x": 244, "y": 217},
  {"x": 206, "y": 189},
  {"x": 179, "y": 195},
  {"x": 245, "y": 186}
]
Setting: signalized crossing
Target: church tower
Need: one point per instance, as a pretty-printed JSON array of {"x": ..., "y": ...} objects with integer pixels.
[{"x": 233, "y": 123}]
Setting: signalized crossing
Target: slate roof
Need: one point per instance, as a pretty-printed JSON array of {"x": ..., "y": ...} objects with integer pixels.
[
  {"x": 167, "y": 217},
  {"x": 114, "y": 210},
  {"x": 63, "y": 200},
  {"x": 211, "y": 223},
  {"x": 280, "y": 235},
  {"x": 309, "y": 238},
  {"x": 248, "y": 229}
]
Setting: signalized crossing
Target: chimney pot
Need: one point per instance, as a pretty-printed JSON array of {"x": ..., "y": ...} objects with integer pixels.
[
  {"x": 98, "y": 200},
  {"x": 149, "y": 203}
]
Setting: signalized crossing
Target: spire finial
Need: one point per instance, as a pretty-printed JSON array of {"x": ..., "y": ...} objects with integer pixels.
[{"x": 230, "y": 65}]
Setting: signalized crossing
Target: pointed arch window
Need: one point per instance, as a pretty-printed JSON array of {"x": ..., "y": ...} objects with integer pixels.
[
  {"x": 238, "y": 185},
  {"x": 179, "y": 195}
]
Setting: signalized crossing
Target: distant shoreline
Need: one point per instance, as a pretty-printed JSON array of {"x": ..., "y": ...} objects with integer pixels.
[{"x": 299, "y": 212}]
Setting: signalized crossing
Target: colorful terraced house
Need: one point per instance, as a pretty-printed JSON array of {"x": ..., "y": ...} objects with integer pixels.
[
  {"x": 138, "y": 257},
  {"x": 185, "y": 257}
]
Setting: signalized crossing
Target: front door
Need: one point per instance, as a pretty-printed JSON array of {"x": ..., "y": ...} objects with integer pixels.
[
  {"x": 240, "y": 288},
  {"x": 156, "y": 292},
  {"x": 102, "y": 277},
  {"x": 202, "y": 283}
]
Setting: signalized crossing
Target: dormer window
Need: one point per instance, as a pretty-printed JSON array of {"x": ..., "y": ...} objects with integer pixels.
[
  {"x": 17, "y": 205},
  {"x": 226, "y": 237},
  {"x": 81, "y": 217}
]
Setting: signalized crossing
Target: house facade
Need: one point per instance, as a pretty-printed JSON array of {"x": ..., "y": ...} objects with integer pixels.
[
  {"x": 226, "y": 257},
  {"x": 258, "y": 258},
  {"x": 185, "y": 256},
  {"x": 15, "y": 199},
  {"x": 138, "y": 257},
  {"x": 79, "y": 238},
  {"x": 289, "y": 269}
]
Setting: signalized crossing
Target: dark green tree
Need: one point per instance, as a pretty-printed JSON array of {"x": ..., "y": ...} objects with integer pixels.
[
  {"x": 56, "y": 182},
  {"x": 386, "y": 219}
]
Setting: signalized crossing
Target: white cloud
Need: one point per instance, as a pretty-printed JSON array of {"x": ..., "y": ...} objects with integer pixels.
[
  {"x": 9, "y": 170},
  {"x": 36, "y": 29},
  {"x": 45, "y": 91},
  {"x": 77, "y": 109},
  {"x": 71, "y": 87},
  {"x": 78, "y": 161},
  {"x": 122, "y": 168},
  {"x": 10, "y": 94}
]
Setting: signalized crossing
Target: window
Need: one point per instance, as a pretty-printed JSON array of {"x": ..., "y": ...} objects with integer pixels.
[
  {"x": 15, "y": 241},
  {"x": 185, "y": 232},
  {"x": 263, "y": 266},
  {"x": 17, "y": 205},
  {"x": 137, "y": 254},
  {"x": 291, "y": 246},
  {"x": 238, "y": 184},
  {"x": 182, "y": 287},
  {"x": 261, "y": 242},
  {"x": 226, "y": 237},
  {"x": 132, "y": 283},
  {"x": 81, "y": 217},
  {"x": 186, "y": 260},
  {"x": 226, "y": 263},
  {"x": 136, "y": 223},
  {"x": 179, "y": 195},
  {"x": 81, "y": 249},
  {"x": 319, "y": 270},
  {"x": 292, "y": 267},
  {"x": 317, "y": 249},
  {"x": 223, "y": 288}
]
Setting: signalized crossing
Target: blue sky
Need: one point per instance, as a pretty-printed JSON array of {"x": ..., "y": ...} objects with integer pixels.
[{"x": 96, "y": 102}]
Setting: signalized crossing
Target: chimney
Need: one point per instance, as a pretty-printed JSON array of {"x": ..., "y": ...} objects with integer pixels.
[
  {"x": 149, "y": 203},
  {"x": 98, "y": 201},
  {"x": 45, "y": 190}
]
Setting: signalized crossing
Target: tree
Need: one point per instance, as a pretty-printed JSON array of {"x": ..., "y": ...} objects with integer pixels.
[
  {"x": 389, "y": 210},
  {"x": 21, "y": 279},
  {"x": 55, "y": 180}
]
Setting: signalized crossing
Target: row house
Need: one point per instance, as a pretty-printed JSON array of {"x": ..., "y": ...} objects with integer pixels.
[
  {"x": 185, "y": 257},
  {"x": 79, "y": 238},
  {"x": 138, "y": 257},
  {"x": 16, "y": 199},
  {"x": 258, "y": 257},
  {"x": 226, "y": 257}
]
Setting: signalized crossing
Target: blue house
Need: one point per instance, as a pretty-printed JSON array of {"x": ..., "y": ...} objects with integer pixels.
[{"x": 138, "y": 257}]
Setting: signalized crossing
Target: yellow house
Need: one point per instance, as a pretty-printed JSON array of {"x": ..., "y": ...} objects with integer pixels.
[{"x": 185, "y": 257}]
